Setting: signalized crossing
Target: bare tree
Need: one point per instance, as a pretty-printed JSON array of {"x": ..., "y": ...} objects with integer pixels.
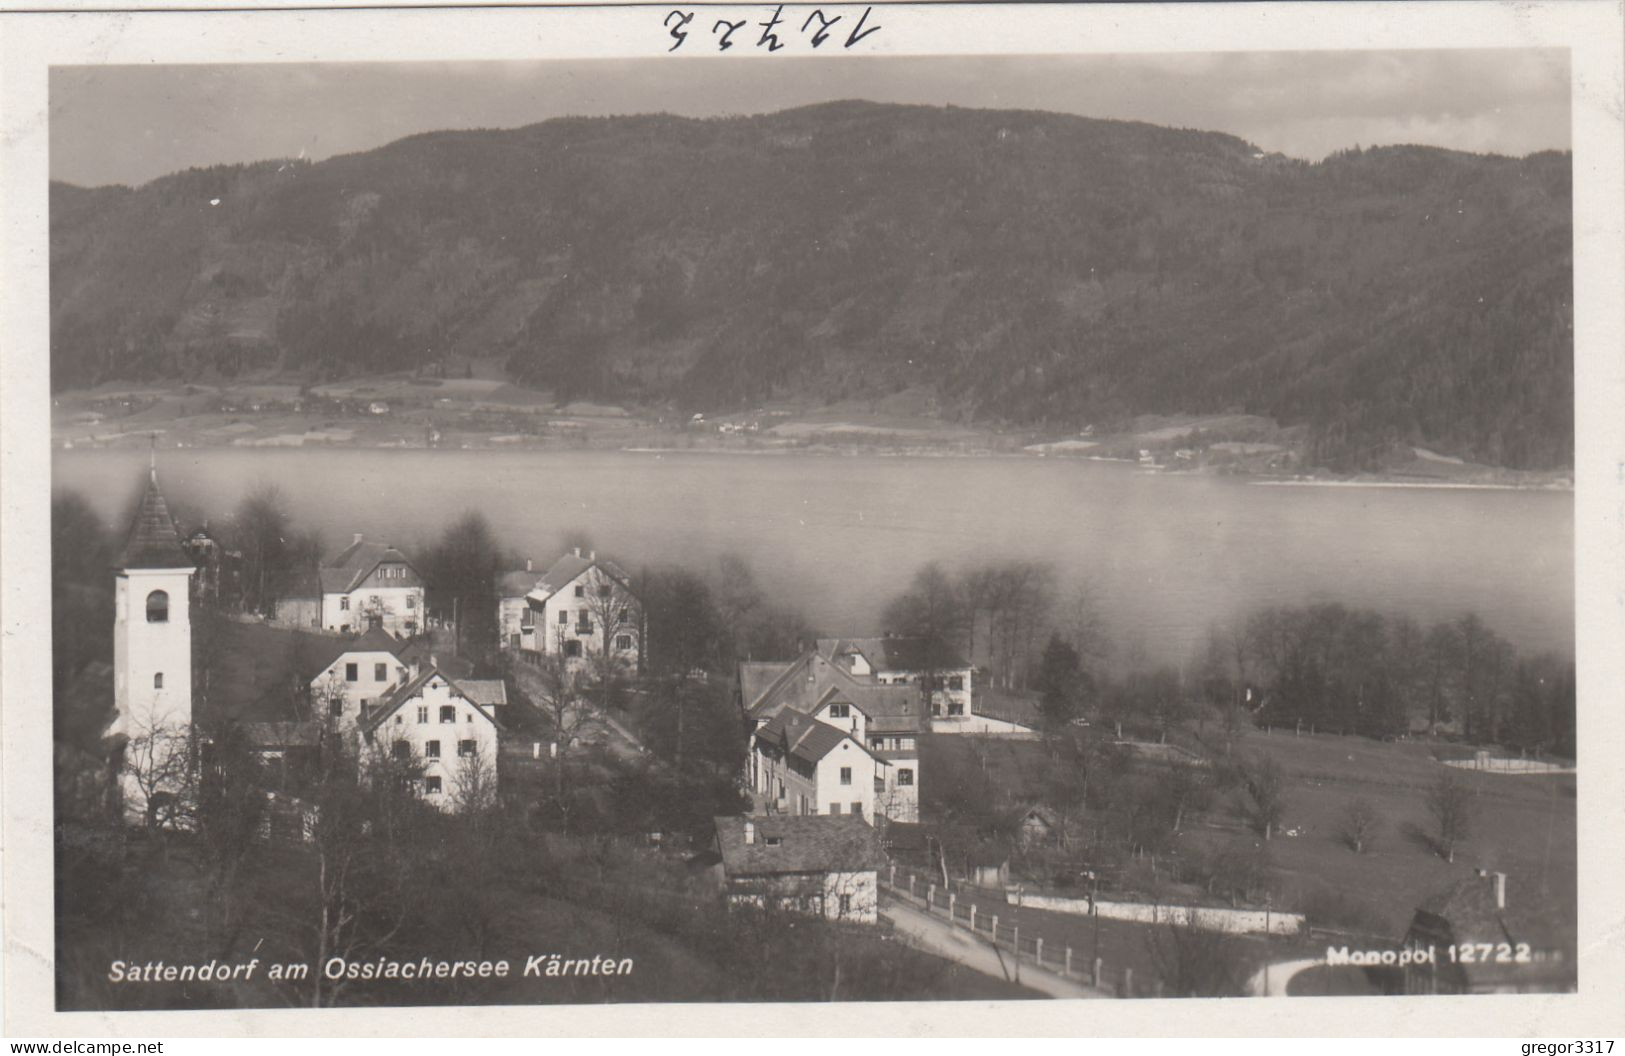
[
  {"x": 474, "y": 783},
  {"x": 1360, "y": 824},
  {"x": 158, "y": 774},
  {"x": 1451, "y": 803},
  {"x": 1193, "y": 962},
  {"x": 612, "y": 644},
  {"x": 1266, "y": 783}
]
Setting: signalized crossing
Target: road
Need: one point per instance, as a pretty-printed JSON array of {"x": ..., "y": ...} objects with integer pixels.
[
  {"x": 1280, "y": 974},
  {"x": 937, "y": 936}
]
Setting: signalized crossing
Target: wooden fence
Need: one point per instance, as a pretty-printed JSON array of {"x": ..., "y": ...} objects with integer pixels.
[{"x": 1026, "y": 945}]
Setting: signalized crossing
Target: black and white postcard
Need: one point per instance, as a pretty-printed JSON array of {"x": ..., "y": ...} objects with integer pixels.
[{"x": 716, "y": 507}]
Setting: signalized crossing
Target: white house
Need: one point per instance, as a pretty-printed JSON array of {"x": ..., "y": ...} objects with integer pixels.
[
  {"x": 581, "y": 607},
  {"x": 359, "y": 674},
  {"x": 885, "y": 719},
  {"x": 152, "y": 656},
  {"x": 445, "y": 732},
  {"x": 800, "y": 765},
  {"x": 514, "y": 617},
  {"x": 821, "y": 866},
  {"x": 371, "y": 585}
]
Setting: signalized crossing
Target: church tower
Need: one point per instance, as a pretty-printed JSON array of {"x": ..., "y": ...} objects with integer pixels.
[{"x": 152, "y": 645}]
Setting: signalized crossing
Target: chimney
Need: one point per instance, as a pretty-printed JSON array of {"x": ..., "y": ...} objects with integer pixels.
[
  {"x": 1500, "y": 890},
  {"x": 592, "y": 555},
  {"x": 357, "y": 538},
  {"x": 527, "y": 565},
  {"x": 750, "y": 832},
  {"x": 576, "y": 550}
]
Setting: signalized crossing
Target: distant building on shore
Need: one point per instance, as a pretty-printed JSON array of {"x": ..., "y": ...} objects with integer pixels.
[{"x": 819, "y": 866}]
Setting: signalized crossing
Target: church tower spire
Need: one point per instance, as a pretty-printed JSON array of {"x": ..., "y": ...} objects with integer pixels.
[{"x": 152, "y": 650}]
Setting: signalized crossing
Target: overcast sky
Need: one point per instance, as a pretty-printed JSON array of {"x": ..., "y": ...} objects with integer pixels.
[{"x": 127, "y": 124}]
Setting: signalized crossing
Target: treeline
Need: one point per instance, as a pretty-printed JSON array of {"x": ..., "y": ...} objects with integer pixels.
[
  {"x": 1343, "y": 670},
  {"x": 1328, "y": 667}
]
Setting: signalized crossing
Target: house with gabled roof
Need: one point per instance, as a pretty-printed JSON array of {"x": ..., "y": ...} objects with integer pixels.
[
  {"x": 371, "y": 585},
  {"x": 886, "y": 719},
  {"x": 440, "y": 734},
  {"x": 818, "y": 865},
  {"x": 583, "y": 607},
  {"x": 801, "y": 765},
  {"x": 356, "y": 673}
]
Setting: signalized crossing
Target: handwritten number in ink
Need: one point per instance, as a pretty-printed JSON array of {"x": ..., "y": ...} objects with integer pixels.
[
  {"x": 770, "y": 38},
  {"x": 678, "y": 34},
  {"x": 856, "y": 34},
  {"x": 724, "y": 43},
  {"x": 823, "y": 29}
]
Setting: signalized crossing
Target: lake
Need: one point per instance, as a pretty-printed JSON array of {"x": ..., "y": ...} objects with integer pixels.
[{"x": 836, "y": 536}]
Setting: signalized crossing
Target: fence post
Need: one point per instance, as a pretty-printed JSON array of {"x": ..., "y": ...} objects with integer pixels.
[
  {"x": 911, "y": 885},
  {"x": 952, "y": 901},
  {"x": 994, "y": 931},
  {"x": 893, "y": 880},
  {"x": 1038, "y": 953},
  {"x": 1128, "y": 982},
  {"x": 973, "y": 916},
  {"x": 1094, "y": 973},
  {"x": 1069, "y": 960}
]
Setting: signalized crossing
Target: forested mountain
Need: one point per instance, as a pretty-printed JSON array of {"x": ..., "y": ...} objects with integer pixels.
[{"x": 1026, "y": 267}]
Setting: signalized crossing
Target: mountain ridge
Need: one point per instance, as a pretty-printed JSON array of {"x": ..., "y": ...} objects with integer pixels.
[{"x": 1028, "y": 268}]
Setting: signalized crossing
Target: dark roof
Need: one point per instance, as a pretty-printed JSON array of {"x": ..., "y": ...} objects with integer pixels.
[
  {"x": 390, "y": 704},
  {"x": 803, "y": 736},
  {"x": 376, "y": 640},
  {"x": 420, "y": 651},
  {"x": 812, "y": 843},
  {"x": 153, "y": 542},
  {"x": 896, "y": 653},
  {"x": 516, "y": 584},
  {"x": 259, "y": 672},
  {"x": 354, "y": 563},
  {"x": 806, "y": 682},
  {"x": 565, "y": 570}
]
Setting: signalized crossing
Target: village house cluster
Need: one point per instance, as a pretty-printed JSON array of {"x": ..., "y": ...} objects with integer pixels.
[{"x": 833, "y": 734}]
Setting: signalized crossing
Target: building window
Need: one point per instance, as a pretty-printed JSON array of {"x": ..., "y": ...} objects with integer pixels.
[
  {"x": 840, "y": 711},
  {"x": 956, "y": 707},
  {"x": 880, "y": 784},
  {"x": 581, "y": 590},
  {"x": 603, "y": 590},
  {"x": 465, "y": 748},
  {"x": 834, "y": 808},
  {"x": 623, "y": 642},
  {"x": 411, "y": 601},
  {"x": 344, "y": 604},
  {"x": 158, "y": 607},
  {"x": 905, "y": 776},
  {"x": 336, "y": 708},
  {"x": 956, "y": 682},
  {"x": 846, "y": 775},
  {"x": 431, "y": 750},
  {"x": 352, "y": 672},
  {"x": 564, "y": 617},
  {"x": 905, "y": 743},
  {"x": 572, "y": 648},
  {"x": 626, "y": 616},
  {"x": 344, "y": 628},
  {"x": 380, "y": 672},
  {"x": 401, "y": 750},
  {"x": 410, "y": 627},
  {"x": 423, "y": 713},
  {"x": 846, "y": 904},
  {"x": 431, "y": 785},
  {"x": 857, "y": 808},
  {"x": 158, "y": 680},
  {"x": 448, "y": 713}
]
